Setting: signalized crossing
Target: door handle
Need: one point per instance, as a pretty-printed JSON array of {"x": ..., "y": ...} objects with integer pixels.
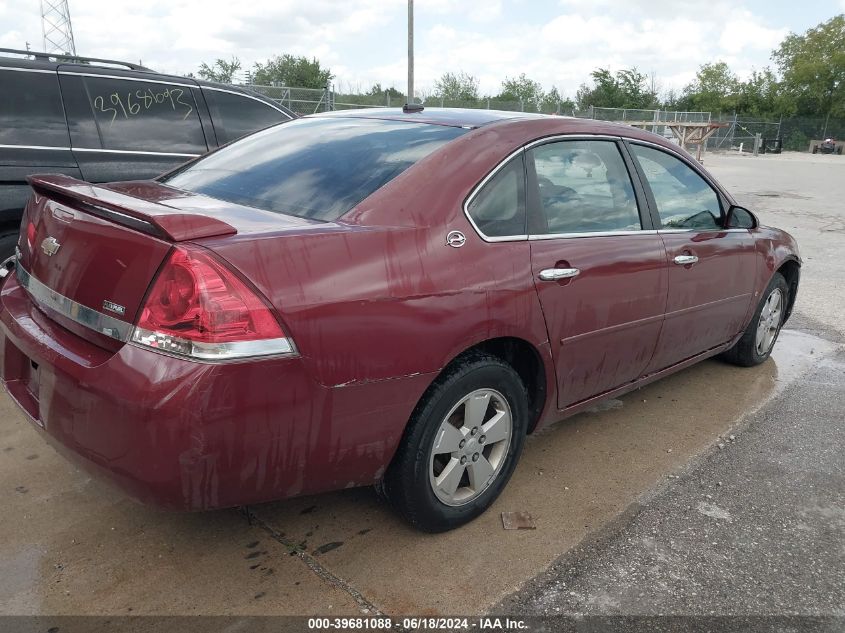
[
  {"x": 685, "y": 260},
  {"x": 556, "y": 274}
]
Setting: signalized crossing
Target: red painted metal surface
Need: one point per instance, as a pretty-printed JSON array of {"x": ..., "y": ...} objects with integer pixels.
[
  {"x": 707, "y": 302},
  {"x": 377, "y": 305},
  {"x": 174, "y": 226},
  {"x": 605, "y": 323}
]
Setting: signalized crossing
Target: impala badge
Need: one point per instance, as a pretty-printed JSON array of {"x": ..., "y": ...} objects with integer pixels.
[
  {"x": 50, "y": 246},
  {"x": 114, "y": 307},
  {"x": 455, "y": 239}
]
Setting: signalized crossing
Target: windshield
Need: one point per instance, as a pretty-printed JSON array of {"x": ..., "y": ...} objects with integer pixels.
[{"x": 316, "y": 168}]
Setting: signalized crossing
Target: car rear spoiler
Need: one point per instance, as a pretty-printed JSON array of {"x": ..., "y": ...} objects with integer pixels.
[{"x": 142, "y": 215}]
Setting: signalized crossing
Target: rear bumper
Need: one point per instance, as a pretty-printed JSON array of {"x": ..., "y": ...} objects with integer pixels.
[{"x": 174, "y": 433}]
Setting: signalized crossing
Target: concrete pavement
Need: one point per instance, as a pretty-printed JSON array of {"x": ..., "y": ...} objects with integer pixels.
[{"x": 755, "y": 528}]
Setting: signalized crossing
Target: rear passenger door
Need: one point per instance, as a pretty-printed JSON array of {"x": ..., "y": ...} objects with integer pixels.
[
  {"x": 33, "y": 136},
  {"x": 235, "y": 114},
  {"x": 127, "y": 127},
  {"x": 599, "y": 267},
  {"x": 711, "y": 267}
]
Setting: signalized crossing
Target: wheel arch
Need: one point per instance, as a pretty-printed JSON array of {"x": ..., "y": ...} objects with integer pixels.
[
  {"x": 525, "y": 358},
  {"x": 790, "y": 269}
]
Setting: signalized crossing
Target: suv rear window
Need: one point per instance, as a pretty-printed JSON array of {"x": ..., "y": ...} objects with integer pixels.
[{"x": 316, "y": 168}]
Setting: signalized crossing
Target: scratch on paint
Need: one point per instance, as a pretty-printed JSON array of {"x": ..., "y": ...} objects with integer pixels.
[{"x": 368, "y": 381}]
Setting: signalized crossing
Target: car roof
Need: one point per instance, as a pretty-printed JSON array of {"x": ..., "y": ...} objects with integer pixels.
[
  {"x": 452, "y": 117},
  {"x": 539, "y": 124}
]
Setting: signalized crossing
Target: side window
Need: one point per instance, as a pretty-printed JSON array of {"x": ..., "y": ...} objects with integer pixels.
[
  {"x": 584, "y": 187},
  {"x": 684, "y": 199},
  {"x": 31, "y": 109},
  {"x": 145, "y": 116},
  {"x": 235, "y": 116},
  {"x": 498, "y": 209}
]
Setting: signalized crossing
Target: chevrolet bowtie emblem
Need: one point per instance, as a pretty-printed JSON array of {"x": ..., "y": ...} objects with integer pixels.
[{"x": 50, "y": 246}]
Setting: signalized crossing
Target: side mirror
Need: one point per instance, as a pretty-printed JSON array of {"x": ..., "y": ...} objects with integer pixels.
[{"x": 740, "y": 218}]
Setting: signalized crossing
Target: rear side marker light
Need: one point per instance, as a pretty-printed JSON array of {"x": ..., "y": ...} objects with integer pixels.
[{"x": 199, "y": 309}]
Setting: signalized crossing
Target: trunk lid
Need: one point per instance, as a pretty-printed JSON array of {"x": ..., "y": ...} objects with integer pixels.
[{"x": 88, "y": 254}]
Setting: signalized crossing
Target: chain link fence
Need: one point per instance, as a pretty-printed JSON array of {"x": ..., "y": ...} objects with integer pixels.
[
  {"x": 310, "y": 100},
  {"x": 300, "y": 100},
  {"x": 796, "y": 132},
  {"x": 623, "y": 115}
]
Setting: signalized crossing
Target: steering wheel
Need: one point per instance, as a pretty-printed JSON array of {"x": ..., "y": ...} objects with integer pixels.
[{"x": 700, "y": 220}]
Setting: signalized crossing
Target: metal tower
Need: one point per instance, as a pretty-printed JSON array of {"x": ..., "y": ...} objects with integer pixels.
[{"x": 56, "y": 28}]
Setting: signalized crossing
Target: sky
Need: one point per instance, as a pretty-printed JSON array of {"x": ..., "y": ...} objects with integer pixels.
[{"x": 556, "y": 42}]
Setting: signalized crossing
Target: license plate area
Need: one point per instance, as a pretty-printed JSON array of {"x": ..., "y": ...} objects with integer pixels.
[
  {"x": 33, "y": 378},
  {"x": 22, "y": 379}
]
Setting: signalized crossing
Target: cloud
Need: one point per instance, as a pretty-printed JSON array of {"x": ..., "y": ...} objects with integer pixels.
[
  {"x": 744, "y": 30},
  {"x": 363, "y": 41}
]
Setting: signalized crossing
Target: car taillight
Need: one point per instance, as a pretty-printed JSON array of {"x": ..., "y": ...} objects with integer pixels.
[
  {"x": 200, "y": 309},
  {"x": 30, "y": 236}
]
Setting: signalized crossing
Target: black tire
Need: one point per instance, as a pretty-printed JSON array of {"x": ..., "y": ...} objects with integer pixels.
[
  {"x": 746, "y": 353},
  {"x": 8, "y": 240},
  {"x": 406, "y": 484}
]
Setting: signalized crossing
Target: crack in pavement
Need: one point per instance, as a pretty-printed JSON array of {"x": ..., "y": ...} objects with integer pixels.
[{"x": 295, "y": 549}]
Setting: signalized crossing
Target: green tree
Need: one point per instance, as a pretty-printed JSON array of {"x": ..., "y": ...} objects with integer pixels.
[
  {"x": 290, "y": 70},
  {"x": 527, "y": 91},
  {"x": 458, "y": 86},
  {"x": 377, "y": 91},
  {"x": 553, "y": 102},
  {"x": 672, "y": 100},
  {"x": 762, "y": 95},
  {"x": 715, "y": 89},
  {"x": 812, "y": 66},
  {"x": 628, "y": 88},
  {"x": 221, "y": 70}
]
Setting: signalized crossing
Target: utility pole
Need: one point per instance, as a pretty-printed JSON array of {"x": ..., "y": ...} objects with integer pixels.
[{"x": 410, "y": 51}]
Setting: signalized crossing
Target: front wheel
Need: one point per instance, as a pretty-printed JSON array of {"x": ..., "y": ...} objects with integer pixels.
[
  {"x": 461, "y": 445},
  {"x": 759, "y": 337}
]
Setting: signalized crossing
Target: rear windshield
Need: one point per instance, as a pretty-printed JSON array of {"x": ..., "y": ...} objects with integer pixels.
[{"x": 312, "y": 168}]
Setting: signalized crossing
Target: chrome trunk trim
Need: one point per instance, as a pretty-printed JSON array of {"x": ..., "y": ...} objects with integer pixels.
[{"x": 70, "y": 309}]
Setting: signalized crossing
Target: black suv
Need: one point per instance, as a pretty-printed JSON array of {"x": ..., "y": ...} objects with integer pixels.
[{"x": 103, "y": 120}]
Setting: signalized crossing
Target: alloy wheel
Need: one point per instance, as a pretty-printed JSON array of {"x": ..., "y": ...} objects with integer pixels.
[
  {"x": 470, "y": 447},
  {"x": 769, "y": 322}
]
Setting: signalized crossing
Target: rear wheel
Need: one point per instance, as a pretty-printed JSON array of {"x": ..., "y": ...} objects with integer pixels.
[
  {"x": 759, "y": 337},
  {"x": 461, "y": 445}
]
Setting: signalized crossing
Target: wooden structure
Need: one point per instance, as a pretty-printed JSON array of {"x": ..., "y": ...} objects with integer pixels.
[{"x": 687, "y": 132}]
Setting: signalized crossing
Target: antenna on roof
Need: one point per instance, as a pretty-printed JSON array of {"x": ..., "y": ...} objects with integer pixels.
[{"x": 412, "y": 107}]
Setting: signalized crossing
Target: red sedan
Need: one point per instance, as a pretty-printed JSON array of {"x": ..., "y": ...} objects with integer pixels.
[{"x": 385, "y": 297}]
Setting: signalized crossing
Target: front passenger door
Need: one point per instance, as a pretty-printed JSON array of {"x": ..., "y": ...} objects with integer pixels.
[
  {"x": 711, "y": 268},
  {"x": 599, "y": 269}
]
